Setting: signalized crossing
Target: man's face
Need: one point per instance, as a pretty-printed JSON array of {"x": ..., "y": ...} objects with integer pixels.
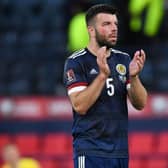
[
  {"x": 11, "y": 154},
  {"x": 106, "y": 30}
]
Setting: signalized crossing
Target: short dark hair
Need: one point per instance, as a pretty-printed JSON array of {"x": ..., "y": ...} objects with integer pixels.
[{"x": 99, "y": 8}]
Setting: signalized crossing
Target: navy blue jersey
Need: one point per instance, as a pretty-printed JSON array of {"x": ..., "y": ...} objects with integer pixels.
[{"x": 103, "y": 130}]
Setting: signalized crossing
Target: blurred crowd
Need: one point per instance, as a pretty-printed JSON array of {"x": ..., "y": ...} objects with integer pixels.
[
  {"x": 12, "y": 158},
  {"x": 35, "y": 39}
]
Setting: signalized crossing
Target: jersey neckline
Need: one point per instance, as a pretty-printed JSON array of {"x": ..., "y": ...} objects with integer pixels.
[{"x": 95, "y": 55}]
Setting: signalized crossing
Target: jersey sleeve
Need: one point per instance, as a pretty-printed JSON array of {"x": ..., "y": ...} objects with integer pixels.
[{"x": 74, "y": 76}]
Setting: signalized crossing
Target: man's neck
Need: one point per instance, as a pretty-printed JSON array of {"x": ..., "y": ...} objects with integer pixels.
[{"x": 94, "y": 48}]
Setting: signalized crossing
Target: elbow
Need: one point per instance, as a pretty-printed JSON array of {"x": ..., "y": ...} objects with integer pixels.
[
  {"x": 140, "y": 102},
  {"x": 141, "y": 105},
  {"x": 144, "y": 101},
  {"x": 80, "y": 109}
]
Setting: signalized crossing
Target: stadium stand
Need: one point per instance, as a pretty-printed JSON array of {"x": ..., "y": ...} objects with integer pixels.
[
  {"x": 142, "y": 143},
  {"x": 59, "y": 141},
  {"x": 54, "y": 149},
  {"x": 28, "y": 144},
  {"x": 31, "y": 32},
  {"x": 154, "y": 163},
  {"x": 162, "y": 143},
  {"x": 4, "y": 139}
]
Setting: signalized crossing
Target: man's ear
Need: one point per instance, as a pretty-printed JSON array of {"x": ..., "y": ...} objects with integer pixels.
[{"x": 91, "y": 31}]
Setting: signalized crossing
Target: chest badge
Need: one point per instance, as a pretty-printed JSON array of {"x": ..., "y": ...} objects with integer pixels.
[{"x": 121, "y": 69}]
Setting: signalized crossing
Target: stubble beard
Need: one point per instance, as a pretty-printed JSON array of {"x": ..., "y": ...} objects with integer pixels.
[{"x": 101, "y": 41}]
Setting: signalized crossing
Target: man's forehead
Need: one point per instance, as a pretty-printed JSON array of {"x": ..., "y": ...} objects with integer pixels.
[{"x": 106, "y": 16}]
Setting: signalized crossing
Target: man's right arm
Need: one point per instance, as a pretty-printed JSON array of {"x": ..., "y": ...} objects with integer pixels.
[{"x": 83, "y": 100}]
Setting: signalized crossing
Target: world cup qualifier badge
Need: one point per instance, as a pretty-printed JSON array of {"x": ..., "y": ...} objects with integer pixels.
[{"x": 70, "y": 76}]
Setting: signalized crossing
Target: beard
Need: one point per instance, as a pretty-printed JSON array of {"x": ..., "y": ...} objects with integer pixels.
[{"x": 103, "y": 42}]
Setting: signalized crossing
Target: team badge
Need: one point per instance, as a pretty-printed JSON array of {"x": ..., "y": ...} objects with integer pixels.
[
  {"x": 121, "y": 69},
  {"x": 70, "y": 75}
]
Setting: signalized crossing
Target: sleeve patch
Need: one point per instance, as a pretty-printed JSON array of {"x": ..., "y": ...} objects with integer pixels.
[{"x": 70, "y": 76}]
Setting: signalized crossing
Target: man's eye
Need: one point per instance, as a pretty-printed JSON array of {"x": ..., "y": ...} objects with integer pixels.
[{"x": 106, "y": 23}]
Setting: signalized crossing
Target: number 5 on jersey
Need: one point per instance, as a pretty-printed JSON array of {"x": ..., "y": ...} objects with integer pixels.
[{"x": 110, "y": 86}]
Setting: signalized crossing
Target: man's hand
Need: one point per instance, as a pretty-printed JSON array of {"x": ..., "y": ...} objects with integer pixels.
[
  {"x": 137, "y": 63},
  {"x": 102, "y": 62}
]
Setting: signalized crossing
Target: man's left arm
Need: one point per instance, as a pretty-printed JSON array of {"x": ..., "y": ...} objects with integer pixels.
[{"x": 137, "y": 93}]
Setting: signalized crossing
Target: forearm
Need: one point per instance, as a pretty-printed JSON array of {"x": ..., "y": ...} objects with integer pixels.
[
  {"x": 137, "y": 93},
  {"x": 83, "y": 100}
]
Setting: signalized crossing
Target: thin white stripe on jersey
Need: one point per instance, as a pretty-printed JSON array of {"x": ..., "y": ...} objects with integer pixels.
[
  {"x": 117, "y": 51},
  {"x": 81, "y": 162},
  {"x": 76, "y": 89},
  {"x": 78, "y": 53}
]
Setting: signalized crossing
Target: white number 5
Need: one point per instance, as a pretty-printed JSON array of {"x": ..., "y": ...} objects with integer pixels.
[{"x": 110, "y": 86}]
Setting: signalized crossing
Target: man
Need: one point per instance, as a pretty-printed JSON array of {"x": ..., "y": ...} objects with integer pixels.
[
  {"x": 98, "y": 80},
  {"x": 12, "y": 158}
]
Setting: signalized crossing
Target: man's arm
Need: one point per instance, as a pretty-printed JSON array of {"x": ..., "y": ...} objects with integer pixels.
[
  {"x": 137, "y": 93},
  {"x": 83, "y": 100}
]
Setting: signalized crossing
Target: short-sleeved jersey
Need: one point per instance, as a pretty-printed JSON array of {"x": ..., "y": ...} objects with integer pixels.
[{"x": 102, "y": 131}]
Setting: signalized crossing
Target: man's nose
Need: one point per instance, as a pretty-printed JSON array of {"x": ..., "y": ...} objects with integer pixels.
[{"x": 114, "y": 27}]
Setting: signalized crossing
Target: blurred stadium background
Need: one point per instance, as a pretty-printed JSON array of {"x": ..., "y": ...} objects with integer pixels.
[{"x": 34, "y": 110}]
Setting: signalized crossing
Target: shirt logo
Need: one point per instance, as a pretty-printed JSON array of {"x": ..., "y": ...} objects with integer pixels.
[
  {"x": 121, "y": 69},
  {"x": 93, "y": 72},
  {"x": 70, "y": 75}
]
